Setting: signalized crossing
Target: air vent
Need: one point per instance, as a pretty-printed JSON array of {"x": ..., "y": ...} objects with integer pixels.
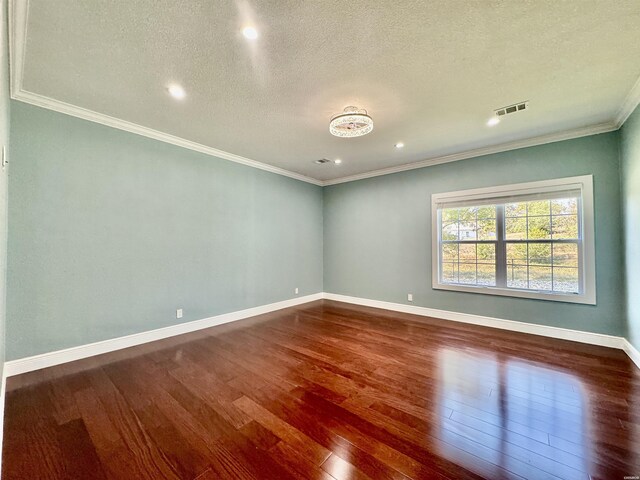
[
  {"x": 322, "y": 160},
  {"x": 515, "y": 108}
]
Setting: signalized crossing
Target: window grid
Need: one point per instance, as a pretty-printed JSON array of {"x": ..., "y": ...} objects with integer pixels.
[
  {"x": 478, "y": 263},
  {"x": 501, "y": 275},
  {"x": 552, "y": 241}
]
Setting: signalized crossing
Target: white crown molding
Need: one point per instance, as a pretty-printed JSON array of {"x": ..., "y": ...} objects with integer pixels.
[
  {"x": 478, "y": 152},
  {"x": 90, "y": 115},
  {"x": 36, "y": 362},
  {"x": 511, "y": 325},
  {"x": 18, "y": 11},
  {"x": 68, "y": 109},
  {"x": 630, "y": 103},
  {"x": 18, "y": 16}
]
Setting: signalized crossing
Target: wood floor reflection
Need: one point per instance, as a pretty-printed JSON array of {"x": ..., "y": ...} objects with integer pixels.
[{"x": 331, "y": 391}]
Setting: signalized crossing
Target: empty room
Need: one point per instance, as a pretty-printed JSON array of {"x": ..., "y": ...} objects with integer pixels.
[{"x": 329, "y": 240}]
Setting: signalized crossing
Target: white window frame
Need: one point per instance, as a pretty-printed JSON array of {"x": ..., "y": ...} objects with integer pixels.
[{"x": 586, "y": 244}]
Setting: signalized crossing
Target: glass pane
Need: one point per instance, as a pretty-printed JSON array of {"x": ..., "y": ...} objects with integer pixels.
[
  {"x": 467, "y": 273},
  {"x": 487, "y": 229},
  {"x": 565, "y": 206},
  {"x": 449, "y": 231},
  {"x": 468, "y": 252},
  {"x": 565, "y": 255},
  {"x": 540, "y": 278},
  {"x": 516, "y": 277},
  {"x": 540, "y": 254},
  {"x": 566, "y": 280},
  {"x": 516, "y": 253},
  {"x": 539, "y": 263},
  {"x": 449, "y": 215},
  {"x": 488, "y": 211},
  {"x": 539, "y": 207},
  {"x": 487, "y": 275},
  {"x": 515, "y": 209},
  {"x": 516, "y": 228},
  {"x": 539, "y": 228},
  {"x": 486, "y": 253},
  {"x": 565, "y": 226},
  {"x": 467, "y": 214},
  {"x": 467, "y": 230},
  {"x": 450, "y": 252},
  {"x": 449, "y": 273}
]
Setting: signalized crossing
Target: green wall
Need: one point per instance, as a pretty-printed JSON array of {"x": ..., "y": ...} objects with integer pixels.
[
  {"x": 4, "y": 141},
  {"x": 110, "y": 232},
  {"x": 630, "y": 155},
  {"x": 377, "y": 233}
]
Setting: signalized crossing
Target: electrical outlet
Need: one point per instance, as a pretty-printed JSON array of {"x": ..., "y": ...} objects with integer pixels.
[
  {"x": 179, "y": 313},
  {"x": 410, "y": 297},
  {"x": 296, "y": 290}
]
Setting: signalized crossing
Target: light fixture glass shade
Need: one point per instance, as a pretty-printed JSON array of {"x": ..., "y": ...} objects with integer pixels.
[{"x": 352, "y": 122}]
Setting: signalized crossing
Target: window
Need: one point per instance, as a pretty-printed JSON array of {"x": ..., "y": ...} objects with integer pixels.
[{"x": 531, "y": 240}]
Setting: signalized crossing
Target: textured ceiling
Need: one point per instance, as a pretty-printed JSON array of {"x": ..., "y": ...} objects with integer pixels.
[{"x": 429, "y": 73}]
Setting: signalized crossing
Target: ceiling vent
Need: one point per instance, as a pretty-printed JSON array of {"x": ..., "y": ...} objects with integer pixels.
[
  {"x": 322, "y": 161},
  {"x": 515, "y": 108}
]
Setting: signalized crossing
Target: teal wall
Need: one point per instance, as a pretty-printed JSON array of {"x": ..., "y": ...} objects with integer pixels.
[
  {"x": 630, "y": 155},
  {"x": 4, "y": 141},
  {"x": 377, "y": 233},
  {"x": 111, "y": 232}
]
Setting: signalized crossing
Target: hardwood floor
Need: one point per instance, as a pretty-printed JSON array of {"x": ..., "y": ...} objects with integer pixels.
[{"x": 331, "y": 391}]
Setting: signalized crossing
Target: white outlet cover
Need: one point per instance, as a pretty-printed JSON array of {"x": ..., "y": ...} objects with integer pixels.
[
  {"x": 179, "y": 313},
  {"x": 296, "y": 290},
  {"x": 410, "y": 297}
]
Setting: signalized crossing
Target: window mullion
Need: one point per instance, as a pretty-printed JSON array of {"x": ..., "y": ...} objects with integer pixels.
[{"x": 501, "y": 248}]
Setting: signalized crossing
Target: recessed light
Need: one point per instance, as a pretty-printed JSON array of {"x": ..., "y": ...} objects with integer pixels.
[
  {"x": 337, "y": 161},
  {"x": 399, "y": 145},
  {"x": 493, "y": 121},
  {"x": 250, "y": 33},
  {"x": 176, "y": 91}
]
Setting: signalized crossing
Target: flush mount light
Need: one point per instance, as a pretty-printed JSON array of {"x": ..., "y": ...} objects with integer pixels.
[
  {"x": 176, "y": 91},
  {"x": 399, "y": 145},
  {"x": 493, "y": 121},
  {"x": 337, "y": 161},
  {"x": 352, "y": 122},
  {"x": 250, "y": 33}
]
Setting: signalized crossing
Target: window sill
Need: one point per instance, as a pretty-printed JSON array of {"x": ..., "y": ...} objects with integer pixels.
[{"x": 587, "y": 299}]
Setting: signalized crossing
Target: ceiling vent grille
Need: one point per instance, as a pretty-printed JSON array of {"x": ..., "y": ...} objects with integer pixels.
[
  {"x": 515, "y": 108},
  {"x": 322, "y": 161}
]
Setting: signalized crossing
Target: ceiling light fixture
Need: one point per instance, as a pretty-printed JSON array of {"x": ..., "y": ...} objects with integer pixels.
[
  {"x": 399, "y": 145},
  {"x": 176, "y": 91},
  {"x": 493, "y": 121},
  {"x": 250, "y": 33},
  {"x": 352, "y": 122},
  {"x": 337, "y": 161}
]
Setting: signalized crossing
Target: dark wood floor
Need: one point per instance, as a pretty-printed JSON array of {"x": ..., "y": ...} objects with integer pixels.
[{"x": 331, "y": 391}]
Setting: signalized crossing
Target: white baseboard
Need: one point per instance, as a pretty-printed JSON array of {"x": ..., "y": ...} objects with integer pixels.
[
  {"x": 546, "y": 331},
  {"x": 36, "y": 362},
  {"x": 633, "y": 353},
  {"x": 28, "y": 364}
]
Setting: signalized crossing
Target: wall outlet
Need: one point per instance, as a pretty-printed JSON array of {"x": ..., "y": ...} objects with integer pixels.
[
  {"x": 179, "y": 313},
  {"x": 410, "y": 297},
  {"x": 296, "y": 290}
]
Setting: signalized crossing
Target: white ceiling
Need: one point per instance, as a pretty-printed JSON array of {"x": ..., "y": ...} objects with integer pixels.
[{"x": 429, "y": 73}]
